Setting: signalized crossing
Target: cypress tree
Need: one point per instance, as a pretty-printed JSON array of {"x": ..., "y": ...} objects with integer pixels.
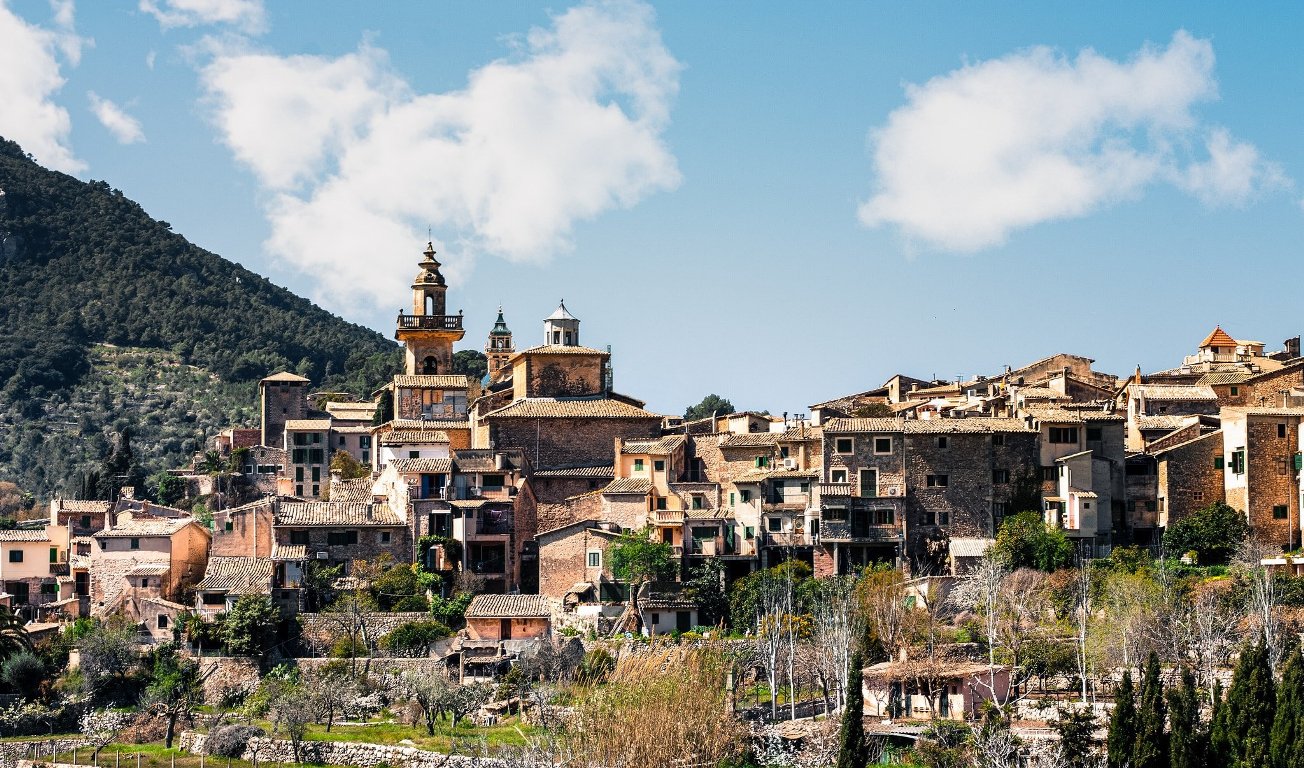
[
  {"x": 1186, "y": 739},
  {"x": 1076, "y": 729},
  {"x": 1248, "y": 713},
  {"x": 1220, "y": 748},
  {"x": 1287, "y": 749},
  {"x": 851, "y": 739},
  {"x": 1150, "y": 749},
  {"x": 1122, "y": 725}
]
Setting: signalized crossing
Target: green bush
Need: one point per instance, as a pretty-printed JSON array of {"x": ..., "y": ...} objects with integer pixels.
[
  {"x": 1213, "y": 533},
  {"x": 414, "y": 638},
  {"x": 348, "y": 648}
]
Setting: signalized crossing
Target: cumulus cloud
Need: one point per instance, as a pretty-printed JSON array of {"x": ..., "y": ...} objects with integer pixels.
[
  {"x": 1034, "y": 136},
  {"x": 355, "y": 164},
  {"x": 29, "y": 80},
  {"x": 248, "y": 15},
  {"x": 125, "y": 128}
]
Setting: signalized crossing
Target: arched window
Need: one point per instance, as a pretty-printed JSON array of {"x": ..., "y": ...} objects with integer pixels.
[
  {"x": 430, "y": 366},
  {"x": 430, "y": 304}
]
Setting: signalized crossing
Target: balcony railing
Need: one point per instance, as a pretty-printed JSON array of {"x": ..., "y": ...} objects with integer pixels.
[
  {"x": 489, "y": 567},
  {"x": 668, "y": 517},
  {"x": 841, "y": 531},
  {"x": 490, "y": 526},
  {"x": 430, "y": 322},
  {"x": 835, "y": 489}
]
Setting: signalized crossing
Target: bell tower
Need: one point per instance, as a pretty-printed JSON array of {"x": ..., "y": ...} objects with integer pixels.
[
  {"x": 429, "y": 332},
  {"x": 499, "y": 349}
]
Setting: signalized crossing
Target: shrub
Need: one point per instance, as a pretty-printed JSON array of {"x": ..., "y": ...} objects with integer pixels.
[
  {"x": 414, "y": 638},
  {"x": 231, "y": 740},
  {"x": 348, "y": 648},
  {"x": 24, "y": 673},
  {"x": 412, "y": 604},
  {"x": 595, "y": 667},
  {"x": 1213, "y": 533}
]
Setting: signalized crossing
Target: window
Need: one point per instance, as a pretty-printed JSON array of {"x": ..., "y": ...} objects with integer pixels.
[
  {"x": 384, "y": 537},
  {"x": 298, "y": 474},
  {"x": 1094, "y": 434},
  {"x": 1238, "y": 461},
  {"x": 698, "y": 502},
  {"x": 414, "y": 454},
  {"x": 1217, "y": 462},
  {"x": 1063, "y": 434},
  {"x": 659, "y": 466},
  {"x": 783, "y": 452},
  {"x": 1281, "y": 430},
  {"x": 731, "y": 498},
  {"x": 316, "y": 438},
  {"x": 932, "y": 517},
  {"x": 298, "y": 537},
  {"x": 1235, "y": 390},
  {"x": 837, "y": 476},
  {"x": 942, "y": 442},
  {"x": 364, "y": 441},
  {"x": 595, "y": 559},
  {"x": 1283, "y": 465},
  {"x": 491, "y": 481},
  {"x": 15, "y": 555},
  {"x": 998, "y": 439},
  {"x": 135, "y": 543},
  {"x": 749, "y": 532},
  {"x": 882, "y": 517},
  {"x": 86, "y": 521},
  {"x": 298, "y": 490},
  {"x": 50, "y": 588},
  {"x": 1049, "y": 474},
  {"x": 638, "y": 465},
  {"x": 835, "y": 514},
  {"x": 661, "y": 502},
  {"x": 762, "y": 462},
  {"x": 162, "y": 621},
  {"x": 1198, "y": 495},
  {"x": 316, "y": 474},
  {"x": 341, "y": 538},
  {"x": 869, "y": 483},
  {"x": 774, "y": 524},
  {"x": 316, "y": 456},
  {"x": 230, "y": 525},
  {"x": 54, "y": 554},
  {"x": 1280, "y": 512},
  {"x": 937, "y": 481},
  {"x": 316, "y": 490},
  {"x": 214, "y": 598},
  {"x": 844, "y": 445},
  {"x": 1000, "y": 476},
  {"x": 882, "y": 445}
]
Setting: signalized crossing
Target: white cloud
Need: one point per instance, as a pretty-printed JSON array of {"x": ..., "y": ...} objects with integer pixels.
[
  {"x": 29, "y": 79},
  {"x": 1004, "y": 144},
  {"x": 125, "y": 128},
  {"x": 248, "y": 15},
  {"x": 356, "y": 165}
]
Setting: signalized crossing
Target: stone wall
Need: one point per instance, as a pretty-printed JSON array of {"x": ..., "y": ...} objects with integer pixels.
[
  {"x": 1188, "y": 479},
  {"x": 585, "y": 506},
  {"x": 563, "y": 443},
  {"x": 1269, "y": 462},
  {"x": 11, "y": 752},
  {"x": 323, "y": 629},
  {"x": 563, "y": 559},
  {"x": 226, "y": 674},
  {"x": 269, "y": 750}
]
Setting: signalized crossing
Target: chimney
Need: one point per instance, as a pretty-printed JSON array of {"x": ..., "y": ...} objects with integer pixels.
[{"x": 127, "y": 493}]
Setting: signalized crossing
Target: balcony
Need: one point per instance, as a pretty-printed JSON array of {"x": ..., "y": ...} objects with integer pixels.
[
  {"x": 430, "y": 322},
  {"x": 790, "y": 502},
  {"x": 840, "y": 531},
  {"x": 491, "y": 567},
  {"x": 668, "y": 517},
  {"x": 836, "y": 489},
  {"x": 493, "y": 526}
]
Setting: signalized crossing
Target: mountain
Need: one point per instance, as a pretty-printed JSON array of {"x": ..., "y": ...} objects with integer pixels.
[{"x": 110, "y": 319}]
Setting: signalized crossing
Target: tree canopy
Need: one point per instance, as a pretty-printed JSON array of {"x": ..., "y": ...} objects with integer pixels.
[
  {"x": 711, "y": 405},
  {"x": 1213, "y": 533},
  {"x": 1025, "y": 541}
]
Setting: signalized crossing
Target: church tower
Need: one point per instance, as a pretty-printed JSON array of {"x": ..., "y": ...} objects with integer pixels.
[
  {"x": 499, "y": 349},
  {"x": 561, "y": 328},
  {"x": 429, "y": 333}
]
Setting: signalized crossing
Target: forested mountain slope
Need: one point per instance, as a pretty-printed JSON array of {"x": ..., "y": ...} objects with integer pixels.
[{"x": 97, "y": 298}]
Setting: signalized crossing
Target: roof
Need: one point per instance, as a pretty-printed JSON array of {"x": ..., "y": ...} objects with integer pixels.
[
  {"x": 599, "y": 472},
  {"x": 968, "y": 547},
  {"x": 358, "y": 489},
  {"x": 1217, "y": 338},
  {"x": 20, "y": 535},
  {"x": 422, "y": 466},
  {"x": 1164, "y": 421},
  {"x": 237, "y": 576},
  {"x": 291, "y": 552},
  {"x": 508, "y": 607},
  {"x": 749, "y": 439},
  {"x": 343, "y": 407},
  {"x": 149, "y": 569},
  {"x": 1223, "y": 377},
  {"x": 1057, "y": 414},
  {"x": 336, "y": 513},
  {"x": 1175, "y": 392},
  {"x": 660, "y": 446},
  {"x": 286, "y": 376},
  {"x": 443, "y": 381},
  {"x": 1264, "y": 411},
  {"x": 143, "y": 527},
  {"x": 414, "y": 437},
  {"x": 1041, "y": 393},
  {"x": 1216, "y": 435},
  {"x": 307, "y": 424},
  {"x": 551, "y": 408},
  {"x": 559, "y": 349},
  {"x": 638, "y": 485},
  {"x": 84, "y": 506},
  {"x": 969, "y": 424},
  {"x": 561, "y": 313}
]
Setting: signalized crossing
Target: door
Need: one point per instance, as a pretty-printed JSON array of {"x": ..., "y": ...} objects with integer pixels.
[
  {"x": 868, "y": 482},
  {"x": 683, "y": 621},
  {"x": 504, "y": 629}
]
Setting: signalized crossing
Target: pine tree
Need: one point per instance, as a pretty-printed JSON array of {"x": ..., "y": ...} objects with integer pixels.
[
  {"x": 1150, "y": 750},
  {"x": 1287, "y": 749},
  {"x": 1076, "y": 729},
  {"x": 1122, "y": 725},
  {"x": 1187, "y": 745},
  {"x": 851, "y": 739},
  {"x": 1247, "y": 714}
]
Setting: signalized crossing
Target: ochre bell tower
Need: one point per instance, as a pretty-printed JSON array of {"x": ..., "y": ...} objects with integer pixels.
[{"x": 429, "y": 332}]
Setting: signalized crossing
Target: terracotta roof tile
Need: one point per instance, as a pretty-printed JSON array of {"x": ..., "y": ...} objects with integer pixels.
[
  {"x": 414, "y": 437},
  {"x": 357, "y": 490},
  {"x": 21, "y": 534},
  {"x": 145, "y": 527},
  {"x": 1217, "y": 338},
  {"x": 336, "y": 514},
  {"x": 237, "y": 576},
  {"x": 547, "y": 408},
  {"x": 509, "y": 607},
  {"x": 560, "y": 349},
  {"x": 85, "y": 506},
  {"x": 598, "y": 472},
  {"x": 661, "y": 446},
  {"x": 305, "y": 425},
  {"x": 1176, "y": 392},
  {"x": 635, "y": 485},
  {"x": 426, "y": 465},
  {"x": 286, "y": 376},
  {"x": 449, "y": 381}
]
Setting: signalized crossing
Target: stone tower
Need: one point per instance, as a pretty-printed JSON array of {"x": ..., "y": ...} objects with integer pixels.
[
  {"x": 429, "y": 332},
  {"x": 561, "y": 328},
  {"x": 499, "y": 349}
]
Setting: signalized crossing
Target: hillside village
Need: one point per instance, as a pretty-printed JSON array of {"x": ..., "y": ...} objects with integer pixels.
[{"x": 520, "y": 495}]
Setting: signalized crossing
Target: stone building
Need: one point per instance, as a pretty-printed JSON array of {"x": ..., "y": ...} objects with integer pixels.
[
  {"x": 429, "y": 332},
  {"x": 31, "y": 561},
  {"x": 335, "y": 533},
  {"x": 1261, "y": 469},
  {"x": 283, "y": 397},
  {"x": 307, "y": 444},
  {"x": 138, "y": 557},
  {"x": 1189, "y": 477},
  {"x": 227, "y": 579},
  {"x": 499, "y": 350}
]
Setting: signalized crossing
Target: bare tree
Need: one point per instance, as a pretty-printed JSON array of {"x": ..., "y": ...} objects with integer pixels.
[
  {"x": 772, "y": 608},
  {"x": 1261, "y": 609},
  {"x": 1208, "y": 622},
  {"x": 980, "y": 592},
  {"x": 836, "y": 629}
]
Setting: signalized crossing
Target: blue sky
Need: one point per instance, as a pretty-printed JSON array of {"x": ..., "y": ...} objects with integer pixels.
[{"x": 776, "y": 202}]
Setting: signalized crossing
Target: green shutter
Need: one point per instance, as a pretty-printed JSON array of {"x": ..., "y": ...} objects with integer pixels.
[
  {"x": 1299, "y": 462},
  {"x": 1217, "y": 462}
]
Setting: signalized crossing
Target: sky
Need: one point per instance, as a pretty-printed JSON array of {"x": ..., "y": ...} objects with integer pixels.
[{"x": 776, "y": 202}]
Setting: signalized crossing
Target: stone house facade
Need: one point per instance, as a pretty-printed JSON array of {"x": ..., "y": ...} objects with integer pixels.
[
  {"x": 1260, "y": 469},
  {"x": 174, "y": 550},
  {"x": 1190, "y": 477}
]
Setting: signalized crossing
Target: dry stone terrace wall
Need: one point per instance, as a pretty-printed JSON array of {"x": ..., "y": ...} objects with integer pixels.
[
  {"x": 269, "y": 750},
  {"x": 323, "y": 629},
  {"x": 11, "y": 752}
]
